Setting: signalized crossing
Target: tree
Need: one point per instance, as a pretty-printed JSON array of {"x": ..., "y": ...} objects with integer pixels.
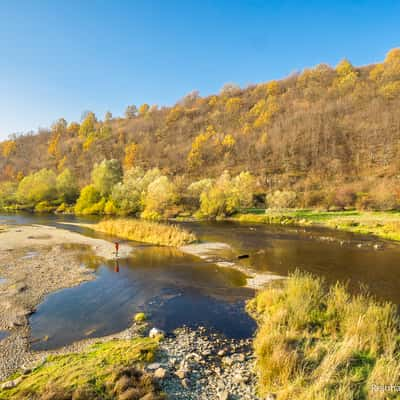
[
  {"x": 105, "y": 175},
  {"x": 130, "y": 156},
  {"x": 73, "y": 128},
  {"x": 229, "y": 89},
  {"x": 8, "y": 147},
  {"x": 161, "y": 195},
  {"x": 37, "y": 187},
  {"x": 129, "y": 196},
  {"x": 88, "y": 125},
  {"x": 108, "y": 116},
  {"x": 144, "y": 109},
  {"x": 131, "y": 111},
  {"x": 89, "y": 201},
  {"x": 67, "y": 187}
]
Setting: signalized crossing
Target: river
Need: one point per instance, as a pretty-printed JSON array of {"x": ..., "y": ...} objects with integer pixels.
[{"x": 178, "y": 289}]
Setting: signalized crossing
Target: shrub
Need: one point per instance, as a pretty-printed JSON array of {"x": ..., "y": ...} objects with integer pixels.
[
  {"x": 44, "y": 207},
  {"x": 281, "y": 199},
  {"x": 67, "y": 189},
  {"x": 89, "y": 201},
  {"x": 161, "y": 195},
  {"x": 315, "y": 342},
  {"x": 140, "y": 317},
  {"x": 37, "y": 187},
  {"x": 105, "y": 175}
]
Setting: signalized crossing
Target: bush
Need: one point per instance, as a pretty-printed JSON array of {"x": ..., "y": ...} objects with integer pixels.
[
  {"x": 37, "y": 187},
  {"x": 161, "y": 195},
  {"x": 89, "y": 201},
  {"x": 140, "y": 317},
  {"x": 315, "y": 342},
  {"x": 281, "y": 199},
  {"x": 44, "y": 207}
]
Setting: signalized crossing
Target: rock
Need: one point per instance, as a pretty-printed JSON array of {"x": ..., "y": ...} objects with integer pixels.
[
  {"x": 185, "y": 383},
  {"x": 227, "y": 360},
  {"x": 271, "y": 396},
  {"x": 181, "y": 373},
  {"x": 11, "y": 384},
  {"x": 221, "y": 353},
  {"x": 160, "y": 373},
  {"x": 153, "y": 366},
  {"x": 224, "y": 395},
  {"x": 154, "y": 332}
]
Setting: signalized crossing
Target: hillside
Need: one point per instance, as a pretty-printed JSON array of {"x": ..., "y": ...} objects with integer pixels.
[{"x": 324, "y": 127}]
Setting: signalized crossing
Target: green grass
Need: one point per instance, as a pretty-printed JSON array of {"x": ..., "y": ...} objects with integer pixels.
[
  {"x": 94, "y": 370},
  {"x": 146, "y": 231},
  {"x": 319, "y": 343},
  {"x": 378, "y": 223}
]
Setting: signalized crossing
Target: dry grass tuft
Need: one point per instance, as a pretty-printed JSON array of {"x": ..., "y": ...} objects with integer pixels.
[
  {"x": 147, "y": 232},
  {"x": 319, "y": 343}
]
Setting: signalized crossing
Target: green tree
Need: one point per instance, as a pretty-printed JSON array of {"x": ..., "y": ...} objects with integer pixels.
[
  {"x": 105, "y": 175},
  {"x": 67, "y": 187},
  {"x": 37, "y": 187}
]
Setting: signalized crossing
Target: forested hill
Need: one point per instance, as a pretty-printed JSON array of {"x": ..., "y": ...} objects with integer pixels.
[{"x": 313, "y": 128}]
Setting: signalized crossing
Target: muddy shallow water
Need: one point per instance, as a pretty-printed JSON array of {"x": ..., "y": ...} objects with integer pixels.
[{"x": 177, "y": 289}]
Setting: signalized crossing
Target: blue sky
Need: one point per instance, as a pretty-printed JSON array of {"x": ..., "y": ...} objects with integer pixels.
[{"x": 59, "y": 58}]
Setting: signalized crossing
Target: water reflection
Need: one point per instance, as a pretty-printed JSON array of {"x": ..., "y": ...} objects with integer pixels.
[{"x": 173, "y": 288}]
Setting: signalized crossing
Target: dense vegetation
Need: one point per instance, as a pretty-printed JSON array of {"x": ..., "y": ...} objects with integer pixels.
[
  {"x": 326, "y": 137},
  {"x": 148, "y": 232},
  {"x": 105, "y": 371},
  {"x": 318, "y": 343}
]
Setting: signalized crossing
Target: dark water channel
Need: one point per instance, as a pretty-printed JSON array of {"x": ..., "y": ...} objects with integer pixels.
[{"x": 177, "y": 289}]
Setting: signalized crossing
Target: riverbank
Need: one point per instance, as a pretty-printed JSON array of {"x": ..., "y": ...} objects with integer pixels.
[
  {"x": 34, "y": 262},
  {"x": 185, "y": 365},
  {"x": 319, "y": 341},
  {"x": 385, "y": 225}
]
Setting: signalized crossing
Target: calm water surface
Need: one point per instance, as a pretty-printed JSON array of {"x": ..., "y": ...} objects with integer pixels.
[{"x": 178, "y": 289}]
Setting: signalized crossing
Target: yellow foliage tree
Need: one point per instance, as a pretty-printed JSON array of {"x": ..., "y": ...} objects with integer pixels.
[
  {"x": 52, "y": 148},
  {"x": 195, "y": 157},
  {"x": 232, "y": 106},
  {"x": 144, "y": 108},
  {"x": 228, "y": 142},
  {"x": 8, "y": 147},
  {"x": 346, "y": 75},
  {"x": 130, "y": 156}
]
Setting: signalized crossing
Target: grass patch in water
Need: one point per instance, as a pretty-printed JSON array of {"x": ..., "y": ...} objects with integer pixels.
[
  {"x": 321, "y": 343},
  {"x": 147, "y": 232},
  {"x": 382, "y": 224},
  {"x": 95, "y": 373}
]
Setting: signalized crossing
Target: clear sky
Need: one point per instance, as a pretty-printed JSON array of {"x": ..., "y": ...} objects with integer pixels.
[{"x": 59, "y": 58}]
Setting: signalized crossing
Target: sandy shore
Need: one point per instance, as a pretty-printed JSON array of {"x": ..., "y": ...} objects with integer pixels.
[
  {"x": 18, "y": 237},
  {"x": 34, "y": 262}
]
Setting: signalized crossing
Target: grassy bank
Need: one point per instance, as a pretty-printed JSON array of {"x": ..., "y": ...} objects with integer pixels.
[
  {"x": 147, "y": 232},
  {"x": 103, "y": 371},
  {"x": 320, "y": 343},
  {"x": 382, "y": 224}
]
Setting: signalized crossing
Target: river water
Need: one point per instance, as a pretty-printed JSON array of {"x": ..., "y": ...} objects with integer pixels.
[{"x": 177, "y": 289}]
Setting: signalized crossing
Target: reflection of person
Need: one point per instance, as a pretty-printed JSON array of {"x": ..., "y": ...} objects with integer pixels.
[{"x": 116, "y": 267}]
